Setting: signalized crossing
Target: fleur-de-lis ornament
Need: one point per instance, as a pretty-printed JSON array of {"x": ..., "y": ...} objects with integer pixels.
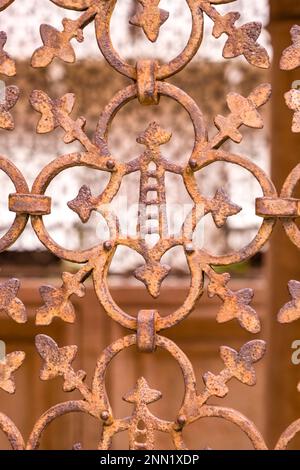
[
  {"x": 244, "y": 111},
  {"x": 292, "y": 99},
  {"x": 11, "y": 96},
  {"x": 57, "y": 301},
  {"x": 142, "y": 394},
  {"x": 50, "y": 109},
  {"x": 8, "y": 366},
  {"x": 235, "y": 304},
  {"x": 291, "y": 56},
  {"x": 290, "y": 60},
  {"x": 240, "y": 364},
  {"x": 56, "y": 113},
  {"x": 57, "y": 44},
  {"x": 291, "y": 311},
  {"x": 150, "y": 18},
  {"x": 9, "y": 302},
  {"x": 241, "y": 40},
  {"x": 57, "y": 362},
  {"x": 7, "y": 64}
]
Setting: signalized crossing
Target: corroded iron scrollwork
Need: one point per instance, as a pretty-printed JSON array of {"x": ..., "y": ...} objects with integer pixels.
[{"x": 147, "y": 87}]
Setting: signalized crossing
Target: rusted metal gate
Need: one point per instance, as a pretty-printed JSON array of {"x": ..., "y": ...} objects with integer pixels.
[{"x": 149, "y": 82}]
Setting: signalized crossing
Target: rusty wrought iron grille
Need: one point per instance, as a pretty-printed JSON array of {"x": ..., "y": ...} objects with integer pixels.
[{"x": 149, "y": 83}]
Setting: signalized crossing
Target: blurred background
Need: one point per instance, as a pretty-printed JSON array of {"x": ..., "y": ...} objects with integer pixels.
[{"x": 274, "y": 402}]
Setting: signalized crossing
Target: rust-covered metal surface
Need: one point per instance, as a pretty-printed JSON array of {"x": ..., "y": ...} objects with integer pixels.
[{"x": 149, "y": 83}]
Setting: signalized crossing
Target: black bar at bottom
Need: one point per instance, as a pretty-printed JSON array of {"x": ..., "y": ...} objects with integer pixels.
[{"x": 130, "y": 459}]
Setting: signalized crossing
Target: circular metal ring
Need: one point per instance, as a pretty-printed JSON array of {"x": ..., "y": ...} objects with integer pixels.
[
  {"x": 166, "y": 89},
  {"x": 237, "y": 418},
  {"x": 268, "y": 189},
  {"x": 290, "y": 226},
  {"x": 98, "y": 385},
  {"x": 42, "y": 182},
  {"x": 20, "y": 220},
  {"x": 288, "y": 435},
  {"x": 102, "y": 25},
  {"x": 112, "y": 309},
  {"x": 53, "y": 413},
  {"x": 10, "y": 430}
]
